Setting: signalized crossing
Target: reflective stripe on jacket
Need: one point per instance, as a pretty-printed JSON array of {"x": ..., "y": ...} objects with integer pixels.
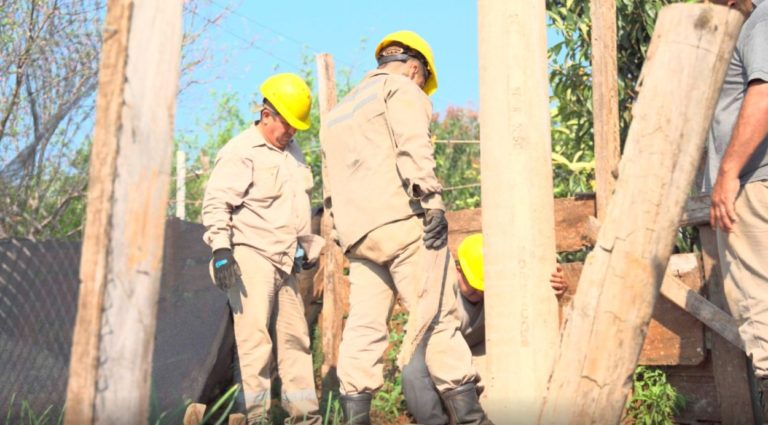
[{"x": 378, "y": 156}]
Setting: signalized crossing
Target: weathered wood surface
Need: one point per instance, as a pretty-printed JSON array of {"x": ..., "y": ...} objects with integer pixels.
[
  {"x": 518, "y": 219},
  {"x": 605, "y": 100},
  {"x": 674, "y": 337},
  {"x": 682, "y": 75},
  {"x": 127, "y": 202},
  {"x": 686, "y": 297},
  {"x": 696, "y": 210},
  {"x": 573, "y": 230},
  {"x": 730, "y": 365},
  {"x": 571, "y": 219},
  {"x": 335, "y": 285},
  {"x": 697, "y": 385}
]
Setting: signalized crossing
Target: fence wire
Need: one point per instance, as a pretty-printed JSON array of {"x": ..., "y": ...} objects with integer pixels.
[{"x": 38, "y": 306}]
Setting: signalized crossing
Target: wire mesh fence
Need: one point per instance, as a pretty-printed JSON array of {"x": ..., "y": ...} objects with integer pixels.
[{"x": 38, "y": 306}]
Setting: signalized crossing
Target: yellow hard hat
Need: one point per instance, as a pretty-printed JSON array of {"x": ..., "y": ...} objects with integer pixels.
[
  {"x": 290, "y": 95},
  {"x": 415, "y": 42},
  {"x": 470, "y": 253}
]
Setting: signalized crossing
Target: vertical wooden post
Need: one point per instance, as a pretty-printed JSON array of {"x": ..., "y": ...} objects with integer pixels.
[
  {"x": 181, "y": 189},
  {"x": 682, "y": 75},
  {"x": 334, "y": 291},
  {"x": 605, "y": 100},
  {"x": 109, "y": 379},
  {"x": 730, "y": 366},
  {"x": 518, "y": 208}
]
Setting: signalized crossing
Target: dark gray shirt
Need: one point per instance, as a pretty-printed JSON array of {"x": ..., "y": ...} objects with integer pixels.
[{"x": 749, "y": 63}]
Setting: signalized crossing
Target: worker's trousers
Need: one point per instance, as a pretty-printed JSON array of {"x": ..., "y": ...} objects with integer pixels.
[
  {"x": 744, "y": 264},
  {"x": 268, "y": 310},
  {"x": 389, "y": 259}
]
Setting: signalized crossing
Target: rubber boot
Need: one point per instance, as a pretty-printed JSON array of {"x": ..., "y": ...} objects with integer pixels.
[
  {"x": 357, "y": 408},
  {"x": 463, "y": 406}
]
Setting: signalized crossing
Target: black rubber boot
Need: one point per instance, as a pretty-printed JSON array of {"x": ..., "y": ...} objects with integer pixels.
[
  {"x": 464, "y": 407},
  {"x": 357, "y": 408}
]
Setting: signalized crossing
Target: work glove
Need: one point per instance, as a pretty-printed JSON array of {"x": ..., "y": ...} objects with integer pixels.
[
  {"x": 435, "y": 229},
  {"x": 225, "y": 269},
  {"x": 300, "y": 261}
]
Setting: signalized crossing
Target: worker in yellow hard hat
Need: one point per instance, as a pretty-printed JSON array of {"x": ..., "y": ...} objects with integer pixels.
[
  {"x": 389, "y": 216},
  {"x": 256, "y": 212},
  {"x": 421, "y": 396}
]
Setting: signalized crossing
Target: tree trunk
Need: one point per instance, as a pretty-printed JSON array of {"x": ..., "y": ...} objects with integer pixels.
[
  {"x": 681, "y": 79},
  {"x": 110, "y": 369}
]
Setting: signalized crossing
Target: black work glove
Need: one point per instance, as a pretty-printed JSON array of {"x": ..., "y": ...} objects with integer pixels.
[
  {"x": 300, "y": 260},
  {"x": 225, "y": 269},
  {"x": 435, "y": 229}
]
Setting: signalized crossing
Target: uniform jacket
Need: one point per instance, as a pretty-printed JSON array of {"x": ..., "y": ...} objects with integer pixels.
[
  {"x": 258, "y": 196},
  {"x": 378, "y": 156}
]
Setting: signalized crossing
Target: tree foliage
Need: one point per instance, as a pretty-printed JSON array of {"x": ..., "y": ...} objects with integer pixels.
[
  {"x": 49, "y": 58},
  {"x": 571, "y": 81}
]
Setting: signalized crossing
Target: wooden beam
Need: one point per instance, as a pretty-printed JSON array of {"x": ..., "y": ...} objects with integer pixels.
[
  {"x": 605, "y": 100},
  {"x": 518, "y": 221},
  {"x": 730, "y": 366},
  {"x": 109, "y": 379},
  {"x": 575, "y": 224},
  {"x": 334, "y": 284},
  {"x": 696, "y": 210},
  {"x": 699, "y": 307},
  {"x": 689, "y": 52}
]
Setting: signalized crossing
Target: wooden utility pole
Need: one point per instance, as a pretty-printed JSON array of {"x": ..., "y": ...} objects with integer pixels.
[
  {"x": 109, "y": 375},
  {"x": 518, "y": 209},
  {"x": 335, "y": 290},
  {"x": 605, "y": 100},
  {"x": 681, "y": 79}
]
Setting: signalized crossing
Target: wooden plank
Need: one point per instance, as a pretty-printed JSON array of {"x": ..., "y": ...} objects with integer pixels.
[
  {"x": 575, "y": 225},
  {"x": 696, "y": 210},
  {"x": 676, "y": 291},
  {"x": 335, "y": 285},
  {"x": 682, "y": 75},
  {"x": 729, "y": 364},
  {"x": 518, "y": 219},
  {"x": 674, "y": 336},
  {"x": 605, "y": 100},
  {"x": 697, "y": 385},
  {"x": 571, "y": 223},
  {"x": 127, "y": 202}
]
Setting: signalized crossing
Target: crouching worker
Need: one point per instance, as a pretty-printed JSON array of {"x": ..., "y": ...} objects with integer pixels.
[
  {"x": 421, "y": 396},
  {"x": 256, "y": 211}
]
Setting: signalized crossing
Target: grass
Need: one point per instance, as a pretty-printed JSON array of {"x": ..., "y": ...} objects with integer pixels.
[
  {"x": 28, "y": 416},
  {"x": 654, "y": 400}
]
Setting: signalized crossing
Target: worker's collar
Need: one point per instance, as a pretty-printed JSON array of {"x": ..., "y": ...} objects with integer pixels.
[
  {"x": 260, "y": 140},
  {"x": 376, "y": 72}
]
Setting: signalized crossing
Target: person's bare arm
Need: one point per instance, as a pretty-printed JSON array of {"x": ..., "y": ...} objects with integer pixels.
[{"x": 750, "y": 130}]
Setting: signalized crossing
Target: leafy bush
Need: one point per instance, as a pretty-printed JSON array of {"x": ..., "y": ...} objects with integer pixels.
[{"x": 654, "y": 400}]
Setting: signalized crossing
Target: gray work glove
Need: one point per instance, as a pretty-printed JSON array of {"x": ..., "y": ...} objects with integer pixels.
[
  {"x": 435, "y": 229},
  {"x": 225, "y": 269}
]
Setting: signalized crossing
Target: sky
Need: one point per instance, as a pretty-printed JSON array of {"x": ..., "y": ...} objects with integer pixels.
[{"x": 256, "y": 39}]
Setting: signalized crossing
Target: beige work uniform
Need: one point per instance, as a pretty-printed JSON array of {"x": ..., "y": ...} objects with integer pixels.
[
  {"x": 380, "y": 167},
  {"x": 744, "y": 263},
  {"x": 257, "y": 202}
]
